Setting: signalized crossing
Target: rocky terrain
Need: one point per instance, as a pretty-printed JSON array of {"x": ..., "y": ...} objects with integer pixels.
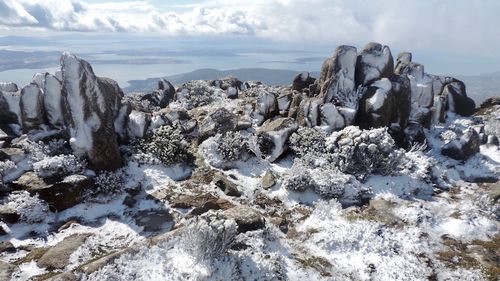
[{"x": 375, "y": 170}]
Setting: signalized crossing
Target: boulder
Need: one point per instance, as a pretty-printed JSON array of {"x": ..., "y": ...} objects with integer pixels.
[
  {"x": 90, "y": 105},
  {"x": 268, "y": 180},
  {"x": 403, "y": 58},
  {"x": 154, "y": 220},
  {"x": 230, "y": 188},
  {"x": 463, "y": 148},
  {"x": 8, "y": 87},
  {"x": 32, "y": 107},
  {"x": 294, "y": 107},
  {"x": 218, "y": 122},
  {"x": 308, "y": 114},
  {"x": 458, "y": 102},
  {"x": 13, "y": 154},
  {"x": 10, "y": 110},
  {"x": 246, "y": 218},
  {"x": 284, "y": 102},
  {"x": 492, "y": 140},
  {"x": 414, "y": 134},
  {"x": 373, "y": 63},
  {"x": 232, "y": 92},
  {"x": 6, "y": 270},
  {"x": 271, "y": 139},
  {"x": 122, "y": 120},
  {"x": 302, "y": 81},
  {"x": 59, "y": 195},
  {"x": 138, "y": 123},
  {"x": 8, "y": 214},
  {"x": 376, "y": 105},
  {"x": 266, "y": 107},
  {"x": 330, "y": 118},
  {"x": 58, "y": 256},
  {"x": 52, "y": 100},
  {"x": 401, "y": 99},
  {"x": 336, "y": 82}
]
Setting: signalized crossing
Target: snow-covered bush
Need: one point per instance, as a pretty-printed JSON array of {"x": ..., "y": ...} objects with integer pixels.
[
  {"x": 29, "y": 208},
  {"x": 167, "y": 144},
  {"x": 145, "y": 158},
  {"x": 108, "y": 182},
  {"x": 208, "y": 237},
  {"x": 231, "y": 146},
  {"x": 363, "y": 152},
  {"x": 61, "y": 165},
  {"x": 5, "y": 167},
  {"x": 39, "y": 150},
  {"x": 307, "y": 141},
  {"x": 196, "y": 93},
  {"x": 298, "y": 180}
]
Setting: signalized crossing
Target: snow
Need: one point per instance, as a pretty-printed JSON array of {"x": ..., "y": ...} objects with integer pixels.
[
  {"x": 384, "y": 85},
  {"x": 137, "y": 124},
  {"x": 53, "y": 100}
]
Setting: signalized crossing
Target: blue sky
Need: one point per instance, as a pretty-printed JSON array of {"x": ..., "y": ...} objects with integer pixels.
[{"x": 460, "y": 33}]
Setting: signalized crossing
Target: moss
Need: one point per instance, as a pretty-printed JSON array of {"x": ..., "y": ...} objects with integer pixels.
[{"x": 320, "y": 264}]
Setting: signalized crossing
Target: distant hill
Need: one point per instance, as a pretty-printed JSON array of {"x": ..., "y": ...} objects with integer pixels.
[{"x": 268, "y": 76}]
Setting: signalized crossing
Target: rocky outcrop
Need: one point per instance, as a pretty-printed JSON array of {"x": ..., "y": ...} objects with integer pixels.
[
  {"x": 271, "y": 139},
  {"x": 52, "y": 100},
  {"x": 302, "y": 81},
  {"x": 458, "y": 102},
  {"x": 376, "y": 105},
  {"x": 10, "y": 111},
  {"x": 58, "y": 257},
  {"x": 32, "y": 108},
  {"x": 373, "y": 63},
  {"x": 464, "y": 147},
  {"x": 90, "y": 106}
]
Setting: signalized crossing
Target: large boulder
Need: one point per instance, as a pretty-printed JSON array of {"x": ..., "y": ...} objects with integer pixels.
[
  {"x": 219, "y": 121},
  {"x": 403, "y": 58},
  {"x": 52, "y": 100},
  {"x": 162, "y": 96},
  {"x": 336, "y": 80},
  {"x": 464, "y": 147},
  {"x": 10, "y": 111},
  {"x": 302, "y": 81},
  {"x": 376, "y": 105},
  {"x": 266, "y": 107},
  {"x": 138, "y": 123},
  {"x": 401, "y": 99},
  {"x": 8, "y": 87},
  {"x": 373, "y": 63},
  {"x": 90, "y": 106},
  {"x": 458, "y": 102},
  {"x": 271, "y": 139},
  {"x": 32, "y": 108},
  {"x": 330, "y": 118},
  {"x": 58, "y": 256}
]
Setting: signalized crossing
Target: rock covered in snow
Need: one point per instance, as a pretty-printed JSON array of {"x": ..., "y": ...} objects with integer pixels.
[
  {"x": 32, "y": 107},
  {"x": 302, "y": 81},
  {"x": 330, "y": 118},
  {"x": 374, "y": 62},
  {"x": 10, "y": 111},
  {"x": 464, "y": 147},
  {"x": 218, "y": 122},
  {"x": 266, "y": 107},
  {"x": 403, "y": 58},
  {"x": 376, "y": 105},
  {"x": 458, "y": 102},
  {"x": 52, "y": 100},
  {"x": 90, "y": 106},
  {"x": 8, "y": 87},
  {"x": 138, "y": 123},
  {"x": 271, "y": 139}
]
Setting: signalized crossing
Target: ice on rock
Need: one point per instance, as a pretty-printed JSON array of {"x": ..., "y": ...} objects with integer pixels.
[
  {"x": 53, "y": 100},
  {"x": 331, "y": 118},
  {"x": 90, "y": 105},
  {"x": 32, "y": 109},
  {"x": 10, "y": 109},
  {"x": 271, "y": 139},
  {"x": 8, "y": 87},
  {"x": 138, "y": 123},
  {"x": 374, "y": 62}
]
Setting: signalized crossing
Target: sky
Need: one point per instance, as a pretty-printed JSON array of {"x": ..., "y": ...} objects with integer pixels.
[{"x": 463, "y": 35}]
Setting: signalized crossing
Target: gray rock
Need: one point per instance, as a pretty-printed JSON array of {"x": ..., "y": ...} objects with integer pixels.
[
  {"x": 246, "y": 218},
  {"x": 458, "y": 102},
  {"x": 154, "y": 220},
  {"x": 403, "y": 58},
  {"x": 16, "y": 155},
  {"x": 138, "y": 123},
  {"x": 10, "y": 110},
  {"x": 8, "y": 87},
  {"x": 230, "y": 188},
  {"x": 90, "y": 106},
  {"x": 32, "y": 107},
  {"x": 284, "y": 102},
  {"x": 218, "y": 122},
  {"x": 52, "y": 100},
  {"x": 377, "y": 105},
  {"x": 373, "y": 63},
  {"x": 6, "y": 271},
  {"x": 330, "y": 118},
  {"x": 8, "y": 214},
  {"x": 271, "y": 139},
  {"x": 268, "y": 180},
  {"x": 302, "y": 81},
  {"x": 463, "y": 148},
  {"x": 58, "y": 256},
  {"x": 266, "y": 106},
  {"x": 492, "y": 140}
]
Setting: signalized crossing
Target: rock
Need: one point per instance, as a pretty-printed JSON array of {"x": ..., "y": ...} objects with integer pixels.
[
  {"x": 330, "y": 118},
  {"x": 302, "y": 81},
  {"x": 403, "y": 58},
  {"x": 268, "y": 180},
  {"x": 8, "y": 87},
  {"x": 52, "y": 100},
  {"x": 2, "y": 230},
  {"x": 218, "y": 122},
  {"x": 246, "y": 218},
  {"x": 122, "y": 120},
  {"x": 6, "y": 246},
  {"x": 232, "y": 93},
  {"x": 294, "y": 107},
  {"x": 10, "y": 110},
  {"x": 414, "y": 134},
  {"x": 6, "y": 270},
  {"x": 129, "y": 201},
  {"x": 401, "y": 99},
  {"x": 337, "y": 78},
  {"x": 373, "y": 63},
  {"x": 8, "y": 214},
  {"x": 271, "y": 139},
  {"x": 308, "y": 114},
  {"x": 57, "y": 257},
  {"x": 138, "y": 123},
  {"x": 13, "y": 154},
  {"x": 60, "y": 195},
  {"x": 284, "y": 101},
  {"x": 439, "y": 109},
  {"x": 492, "y": 140},
  {"x": 463, "y": 148},
  {"x": 32, "y": 107},
  {"x": 90, "y": 106},
  {"x": 377, "y": 105},
  {"x": 164, "y": 94},
  {"x": 266, "y": 107},
  {"x": 229, "y": 187},
  {"x": 458, "y": 102},
  {"x": 494, "y": 191},
  {"x": 154, "y": 220}
]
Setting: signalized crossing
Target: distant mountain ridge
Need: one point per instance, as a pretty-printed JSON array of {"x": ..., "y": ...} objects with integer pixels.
[{"x": 267, "y": 76}]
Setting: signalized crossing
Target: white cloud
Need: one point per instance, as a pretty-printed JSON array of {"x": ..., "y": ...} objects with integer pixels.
[{"x": 461, "y": 25}]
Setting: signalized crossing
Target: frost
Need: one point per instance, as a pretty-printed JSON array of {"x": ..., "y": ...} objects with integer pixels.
[
  {"x": 61, "y": 165},
  {"x": 307, "y": 141},
  {"x": 29, "y": 208},
  {"x": 166, "y": 144}
]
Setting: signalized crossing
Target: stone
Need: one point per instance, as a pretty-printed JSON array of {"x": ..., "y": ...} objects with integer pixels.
[
  {"x": 308, "y": 114},
  {"x": 138, "y": 124},
  {"x": 122, "y": 120},
  {"x": 246, "y": 218},
  {"x": 414, "y": 134},
  {"x": 232, "y": 93},
  {"x": 268, "y": 180},
  {"x": 271, "y": 139},
  {"x": 59, "y": 195},
  {"x": 458, "y": 102},
  {"x": 330, "y": 118},
  {"x": 302, "y": 81},
  {"x": 226, "y": 185},
  {"x": 403, "y": 58},
  {"x": 284, "y": 102},
  {"x": 373, "y": 63},
  {"x": 6, "y": 246},
  {"x": 8, "y": 214},
  {"x": 10, "y": 110},
  {"x": 52, "y": 100},
  {"x": 8, "y": 87},
  {"x": 401, "y": 99},
  {"x": 57, "y": 257},
  {"x": 6, "y": 270},
  {"x": 376, "y": 105},
  {"x": 154, "y": 220},
  {"x": 90, "y": 105},
  {"x": 32, "y": 107},
  {"x": 218, "y": 122},
  {"x": 266, "y": 106},
  {"x": 463, "y": 148},
  {"x": 492, "y": 140},
  {"x": 13, "y": 154}
]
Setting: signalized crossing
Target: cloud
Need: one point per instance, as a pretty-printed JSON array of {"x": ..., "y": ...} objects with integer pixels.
[{"x": 461, "y": 25}]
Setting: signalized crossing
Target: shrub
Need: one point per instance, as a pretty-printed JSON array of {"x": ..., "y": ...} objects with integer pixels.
[
  {"x": 208, "y": 237},
  {"x": 5, "y": 167},
  {"x": 39, "y": 150},
  {"x": 231, "y": 146},
  {"x": 167, "y": 144},
  {"x": 61, "y": 165},
  {"x": 362, "y": 152},
  {"x": 108, "y": 182},
  {"x": 196, "y": 93},
  {"x": 29, "y": 208},
  {"x": 307, "y": 141},
  {"x": 298, "y": 180}
]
